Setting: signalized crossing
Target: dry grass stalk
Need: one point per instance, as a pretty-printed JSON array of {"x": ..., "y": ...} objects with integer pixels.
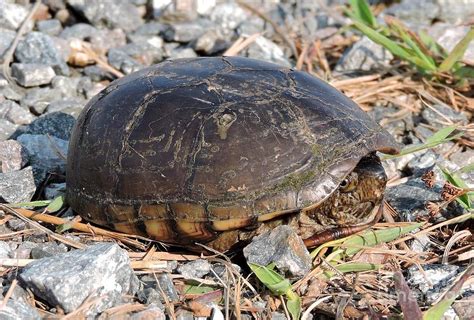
[{"x": 240, "y": 44}]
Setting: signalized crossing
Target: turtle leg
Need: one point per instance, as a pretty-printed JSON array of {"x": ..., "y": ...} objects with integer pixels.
[{"x": 341, "y": 232}]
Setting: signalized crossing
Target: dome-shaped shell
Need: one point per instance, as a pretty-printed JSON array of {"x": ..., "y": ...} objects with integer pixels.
[{"x": 218, "y": 133}]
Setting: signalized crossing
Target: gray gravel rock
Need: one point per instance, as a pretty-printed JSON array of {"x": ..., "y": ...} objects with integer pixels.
[
  {"x": 32, "y": 74},
  {"x": 265, "y": 49},
  {"x": 415, "y": 14},
  {"x": 47, "y": 249},
  {"x": 150, "y": 296},
  {"x": 228, "y": 16},
  {"x": 72, "y": 106},
  {"x": 195, "y": 269},
  {"x": 96, "y": 73},
  {"x": 54, "y": 190},
  {"x": 52, "y": 27},
  {"x": 422, "y": 162},
  {"x": 448, "y": 36},
  {"x": 55, "y": 124},
  {"x": 211, "y": 42},
  {"x": 278, "y": 316},
  {"x": 23, "y": 251},
  {"x": 182, "y": 314},
  {"x": 151, "y": 312},
  {"x": 134, "y": 56},
  {"x": 67, "y": 280},
  {"x": 17, "y": 186},
  {"x": 11, "y": 94},
  {"x": 11, "y": 15},
  {"x": 438, "y": 118},
  {"x": 177, "y": 52},
  {"x": 283, "y": 247},
  {"x": 38, "y": 99},
  {"x": 456, "y": 11},
  {"x": 185, "y": 32},
  {"x": 6, "y": 38},
  {"x": 435, "y": 280},
  {"x": 6, "y": 129},
  {"x": 13, "y": 156},
  {"x": 4, "y": 250},
  {"x": 19, "y": 309},
  {"x": 166, "y": 284},
  {"x": 47, "y": 154},
  {"x": 410, "y": 198},
  {"x": 39, "y": 47},
  {"x": 11, "y": 111},
  {"x": 364, "y": 55},
  {"x": 108, "y": 13}
]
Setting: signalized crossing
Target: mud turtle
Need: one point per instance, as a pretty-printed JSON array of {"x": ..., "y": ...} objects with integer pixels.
[{"x": 213, "y": 150}]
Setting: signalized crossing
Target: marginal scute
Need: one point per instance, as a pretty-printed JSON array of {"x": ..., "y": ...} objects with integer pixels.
[{"x": 193, "y": 149}]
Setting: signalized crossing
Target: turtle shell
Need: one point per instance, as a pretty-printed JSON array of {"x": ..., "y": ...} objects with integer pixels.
[{"x": 188, "y": 148}]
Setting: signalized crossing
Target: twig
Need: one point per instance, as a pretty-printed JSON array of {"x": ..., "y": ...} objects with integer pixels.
[
  {"x": 26, "y": 219},
  {"x": 8, "y": 55},
  {"x": 240, "y": 44},
  {"x": 275, "y": 27},
  {"x": 9, "y": 294}
]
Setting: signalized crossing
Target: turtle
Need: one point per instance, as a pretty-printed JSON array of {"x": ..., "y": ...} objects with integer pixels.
[{"x": 214, "y": 150}]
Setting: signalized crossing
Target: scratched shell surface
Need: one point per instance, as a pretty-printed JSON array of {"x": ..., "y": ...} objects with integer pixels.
[{"x": 212, "y": 139}]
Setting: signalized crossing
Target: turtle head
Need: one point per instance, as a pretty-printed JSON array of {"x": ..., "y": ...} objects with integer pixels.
[{"x": 357, "y": 195}]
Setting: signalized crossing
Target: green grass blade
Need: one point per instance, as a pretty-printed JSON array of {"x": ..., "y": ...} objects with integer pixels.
[
  {"x": 391, "y": 46},
  {"x": 31, "y": 204},
  {"x": 457, "y": 53},
  {"x": 352, "y": 267},
  {"x": 372, "y": 238},
  {"x": 367, "y": 239},
  {"x": 439, "y": 137},
  {"x": 362, "y": 12},
  {"x": 56, "y": 204},
  {"x": 456, "y": 181},
  {"x": 279, "y": 286}
]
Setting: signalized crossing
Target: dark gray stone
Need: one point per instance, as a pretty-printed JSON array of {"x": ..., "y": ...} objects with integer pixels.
[
  {"x": 11, "y": 111},
  {"x": 184, "y": 32},
  {"x": 54, "y": 190},
  {"x": 19, "y": 309},
  {"x": 13, "y": 156},
  {"x": 101, "y": 40},
  {"x": 47, "y": 249},
  {"x": 67, "y": 280},
  {"x": 11, "y": 15},
  {"x": 166, "y": 284},
  {"x": 52, "y": 27},
  {"x": 81, "y": 31},
  {"x": 364, "y": 55},
  {"x": 149, "y": 29},
  {"x": 211, "y": 42},
  {"x": 17, "y": 186},
  {"x": 195, "y": 269},
  {"x": 96, "y": 73},
  {"x": 283, "y": 247},
  {"x": 55, "y": 124},
  {"x": 134, "y": 55},
  {"x": 6, "y": 38},
  {"x": 38, "y": 47},
  {"x": 16, "y": 224},
  {"x": 109, "y": 13},
  {"x": 122, "y": 61},
  {"x": 422, "y": 162},
  {"x": 437, "y": 118},
  {"x": 32, "y": 74},
  {"x": 410, "y": 198},
  {"x": 150, "y": 296},
  {"x": 47, "y": 154},
  {"x": 6, "y": 129}
]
